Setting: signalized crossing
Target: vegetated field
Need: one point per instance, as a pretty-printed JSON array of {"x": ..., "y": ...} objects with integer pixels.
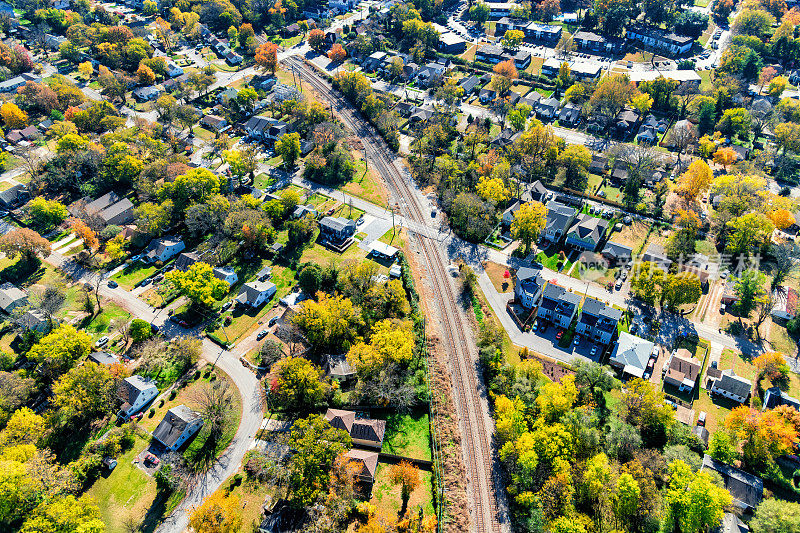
[
  {"x": 127, "y": 493},
  {"x": 495, "y": 271},
  {"x": 99, "y": 325},
  {"x": 386, "y": 495},
  {"x": 633, "y": 235},
  {"x": 132, "y": 274},
  {"x": 366, "y": 184},
  {"x": 251, "y": 497},
  {"x": 245, "y": 320},
  {"x": 408, "y": 435}
]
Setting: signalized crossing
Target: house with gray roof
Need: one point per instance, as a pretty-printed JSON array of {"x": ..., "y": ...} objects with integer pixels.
[
  {"x": 35, "y": 320},
  {"x": 118, "y": 214},
  {"x": 226, "y": 274},
  {"x": 657, "y": 254},
  {"x": 773, "y": 397},
  {"x": 135, "y": 393},
  {"x": 186, "y": 260},
  {"x": 163, "y": 249},
  {"x": 510, "y": 214},
  {"x": 731, "y": 386},
  {"x": 469, "y": 84},
  {"x": 178, "y": 426},
  {"x": 586, "y": 232},
  {"x": 631, "y": 355},
  {"x": 598, "y": 321},
  {"x": 256, "y": 293},
  {"x": 559, "y": 220},
  {"x": 14, "y": 196},
  {"x": 617, "y": 253},
  {"x": 528, "y": 286},
  {"x": 547, "y": 107},
  {"x": 337, "y": 366},
  {"x": 12, "y": 297},
  {"x": 103, "y": 358},
  {"x": 558, "y": 305},
  {"x": 746, "y": 489},
  {"x": 337, "y": 229}
]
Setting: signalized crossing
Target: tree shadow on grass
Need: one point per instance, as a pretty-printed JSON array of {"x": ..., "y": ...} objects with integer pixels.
[{"x": 23, "y": 272}]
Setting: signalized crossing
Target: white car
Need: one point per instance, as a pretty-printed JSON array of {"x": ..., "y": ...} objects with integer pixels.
[
  {"x": 577, "y": 341},
  {"x": 594, "y": 350},
  {"x": 102, "y": 341}
]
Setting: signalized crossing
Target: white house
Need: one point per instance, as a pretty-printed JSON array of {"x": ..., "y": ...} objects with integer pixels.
[
  {"x": 164, "y": 249},
  {"x": 173, "y": 70},
  {"x": 179, "y": 425},
  {"x": 226, "y": 274},
  {"x": 256, "y": 293},
  {"x": 135, "y": 393},
  {"x": 785, "y": 303}
]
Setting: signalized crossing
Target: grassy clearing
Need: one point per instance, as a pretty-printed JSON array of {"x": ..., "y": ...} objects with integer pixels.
[
  {"x": 366, "y": 184},
  {"x": 408, "y": 435},
  {"x": 386, "y": 495},
  {"x": 496, "y": 272},
  {"x": 128, "y": 494},
  {"x": 132, "y": 274},
  {"x": 549, "y": 258},
  {"x": 733, "y": 360},
  {"x": 100, "y": 324},
  {"x": 633, "y": 235}
]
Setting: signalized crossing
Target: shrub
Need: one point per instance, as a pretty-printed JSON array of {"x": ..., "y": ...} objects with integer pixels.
[
  {"x": 161, "y": 402},
  {"x": 173, "y": 393},
  {"x": 196, "y": 375}
]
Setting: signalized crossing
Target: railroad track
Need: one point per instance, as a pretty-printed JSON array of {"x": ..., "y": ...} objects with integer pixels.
[{"x": 477, "y": 428}]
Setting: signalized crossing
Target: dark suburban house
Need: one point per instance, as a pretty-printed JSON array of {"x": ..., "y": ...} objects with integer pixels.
[{"x": 598, "y": 321}]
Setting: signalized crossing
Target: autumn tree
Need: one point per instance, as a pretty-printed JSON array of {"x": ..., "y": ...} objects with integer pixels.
[
  {"x": 13, "y": 116},
  {"x": 681, "y": 288},
  {"x": 64, "y": 513},
  {"x": 643, "y": 407},
  {"x": 492, "y": 189},
  {"x": 145, "y": 74},
  {"x": 776, "y": 516},
  {"x": 217, "y": 514},
  {"x": 24, "y": 243},
  {"x": 299, "y": 385},
  {"x": 328, "y": 322},
  {"x": 407, "y": 476},
  {"x": 84, "y": 393},
  {"x": 612, "y": 94},
  {"x": 763, "y": 436},
  {"x": 316, "y": 39},
  {"x": 198, "y": 283},
  {"x": 529, "y": 222},
  {"x": 337, "y": 53},
  {"x": 772, "y": 365},
  {"x": 267, "y": 57},
  {"x": 504, "y": 74},
  {"x": 781, "y": 218},
  {"x": 513, "y": 38},
  {"x": 695, "y": 180},
  {"x": 85, "y": 233}
]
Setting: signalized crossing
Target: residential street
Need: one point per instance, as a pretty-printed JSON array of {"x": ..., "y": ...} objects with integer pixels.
[{"x": 246, "y": 382}]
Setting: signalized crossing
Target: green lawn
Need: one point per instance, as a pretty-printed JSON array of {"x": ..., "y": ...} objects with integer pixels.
[
  {"x": 100, "y": 324},
  {"x": 132, "y": 274},
  {"x": 408, "y": 435},
  {"x": 262, "y": 181},
  {"x": 128, "y": 494},
  {"x": 593, "y": 183},
  {"x": 549, "y": 258},
  {"x": 731, "y": 359},
  {"x": 365, "y": 184}
]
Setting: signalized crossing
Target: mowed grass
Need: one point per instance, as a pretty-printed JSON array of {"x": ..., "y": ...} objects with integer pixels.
[
  {"x": 496, "y": 273},
  {"x": 408, "y": 435},
  {"x": 365, "y": 184},
  {"x": 127, "y": 494},
  {"x": 132, "y": 274},
  {"x": 386, "y": 495}
]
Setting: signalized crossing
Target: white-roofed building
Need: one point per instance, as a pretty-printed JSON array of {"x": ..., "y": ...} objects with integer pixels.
[{"x": 631, "y": 354}]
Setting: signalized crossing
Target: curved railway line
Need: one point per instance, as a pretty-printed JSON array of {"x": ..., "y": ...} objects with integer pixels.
[{"x": 477, "y": 427}]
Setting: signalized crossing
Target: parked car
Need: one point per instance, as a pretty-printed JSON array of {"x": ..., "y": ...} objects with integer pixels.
[
  {"x": 112, "y": 284},
  {"x": 722, "y": 309},
  {"x": 594, "y": 350},
  {"x": 701, "y": 419},
  {"x": 560, "y": 334},
  {"x": 273, "y": 321},
  {"x": 671, "y": 403},
  {"x": 261, "y": 334},
  {"x": 576, "y": 341},
  {"x": 146, "y": 281},
  {"x": 158, "y": 278},
  {"x": 102, "y": 341},
  {"x": 150, "y": 459},
  {"x": 535, "y": 326}
]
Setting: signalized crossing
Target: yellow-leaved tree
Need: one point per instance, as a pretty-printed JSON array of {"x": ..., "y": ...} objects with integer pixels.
[
  {"x": 529, "y": 221},
  {"x": 218, "y": 514}
]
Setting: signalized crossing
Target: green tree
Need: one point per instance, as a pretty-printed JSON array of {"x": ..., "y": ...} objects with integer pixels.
[
  {"x": 479, "y": 13},
  {"x": 513, "y": 38},
  {"x": 626, "y": 498},
  {"x": 154, "y": 219},
  {"x": 646, "y": 282},
  {"x": 748, "y": 233},
  {"x": 65, "y": 514},
  {"x": 298, "y": 385},
  {"x": 85, "y": 392},
  {"x": 749, "y": 287},
  {"x": 140, "y": 330},
  {"x": 776, "y": 516},
  {"x": 736, "y": 121},
  {"x": 692, "y": 501},
  {"x": 199, "y": 284},
  {"x": 529, "y": 222},
  {"x": 643, "y": 406},
  {"x": 288, "y": 146},
  {"x": 682, "y": 288},
  {"x": 194, "y": 186},
  {"x": 575, "y": 160},
  {"x": 316, "y": 445},
  {"x": 46, "y": 213},
  {"x": 57, "y": 352},
  {"x": 329, "y": 322},
  {"x": 722, "y": 447}
]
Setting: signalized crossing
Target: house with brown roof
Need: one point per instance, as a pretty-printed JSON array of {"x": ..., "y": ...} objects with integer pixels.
[
  {"x": 367, "y": 464},
  {"x": 363, "y": 431},
  {"x": 682, "y": 370}
]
